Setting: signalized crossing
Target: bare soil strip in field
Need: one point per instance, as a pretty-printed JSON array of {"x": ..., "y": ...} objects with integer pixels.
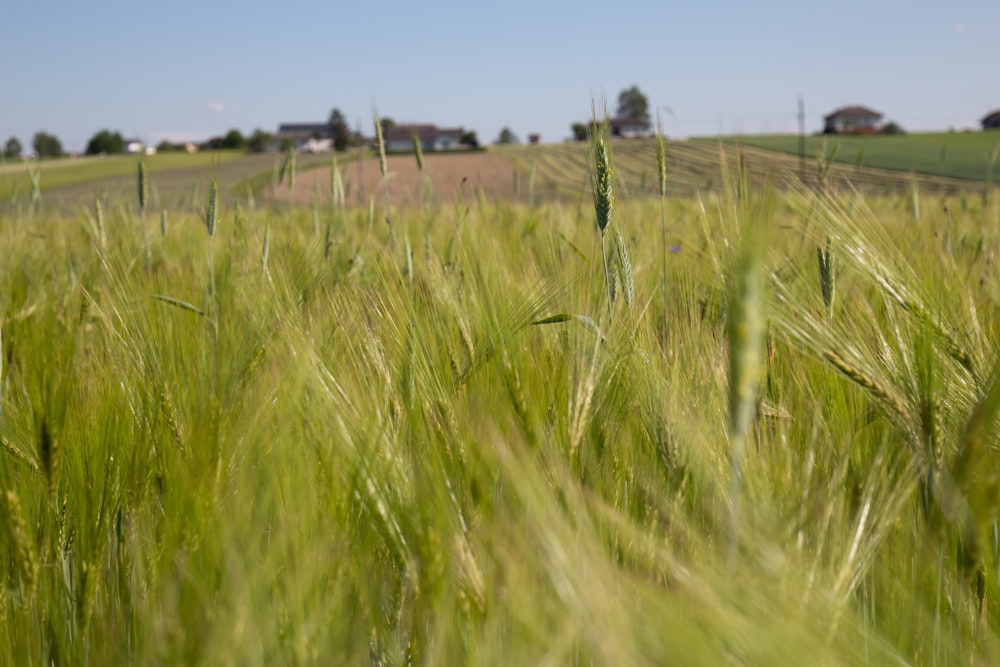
[{"x": 450, "y": 176}]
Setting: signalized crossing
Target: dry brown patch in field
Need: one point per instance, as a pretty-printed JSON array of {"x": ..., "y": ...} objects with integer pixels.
[{"x": 451, "y": 176}]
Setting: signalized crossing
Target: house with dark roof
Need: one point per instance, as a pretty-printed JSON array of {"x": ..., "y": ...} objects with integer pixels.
[
  {"x": 302, "y": 132},
  {"x": 853, "y": 120},
  {"x": 306, "y": 137},
  {"x": 399, "y": 138},
  {"x": 991, "y": 121}
]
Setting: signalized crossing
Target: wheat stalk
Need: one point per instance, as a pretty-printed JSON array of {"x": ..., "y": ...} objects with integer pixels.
[
  {"x": 877, "y": 389},
  {"x": 827, "y": 285},
  {"x": 604, "y": 195},
  {"x": 48, "y": 453},
  {"x": 745, "y": 334},
  {"x": 266, "y": 249},
  {"x": 661, "y": 172},
  {"x": 623, "y": 264},
  {"x": 337, "y": 199},
  {"x": 24, "y": 547},
  {"x": 418, "y": 151},
  {"x": 211, "y": 222},
  {"x": 384, "y": 169},
  {"x": 101, "y": 234},
  {"x": 212, "y": 210},
  {"x": 143, "y": 190}
]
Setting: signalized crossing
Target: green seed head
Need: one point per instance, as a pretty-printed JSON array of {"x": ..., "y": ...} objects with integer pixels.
[
  {"x": 101, "y": 236},
  {"x": 661, "y": 163},
  {"x": 745, "y": 324},
  {"x": 212, "y": 212},
  {"x": 603, "y": 175},
  {"x": 418, "y": 150},
  {"x": 380, "y": 141},
  {"x": 336, "y": 182},
  {"x": 142, "y": 185}
]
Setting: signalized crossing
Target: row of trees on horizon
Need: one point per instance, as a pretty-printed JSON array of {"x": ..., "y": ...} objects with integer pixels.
[{"x": 632, "y": 103}]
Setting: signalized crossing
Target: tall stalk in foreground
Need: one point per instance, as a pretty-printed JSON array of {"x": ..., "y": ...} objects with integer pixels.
[
  {"x": 602, "y": 175},
  {"x": 990, "y": 164},
  {"x": 143, "y": 189},
  {"x": 102, "y": 237},
  {"x": 426, "y": 192},
  {"x": 745, "y": 333},
  {"x": 384, "y": 169},
  {"x": 661, "y": 172},
  {"x": 211, "y": 221},
  {"x": 336, "y": 200}
]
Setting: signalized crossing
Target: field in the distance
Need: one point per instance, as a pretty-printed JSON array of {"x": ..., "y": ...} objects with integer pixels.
[
  {"x": 560, "y": 172},
  {"x": 966, "y": 155},
  {"x": 445, "y": 178},
  {"x": 553, "y": 172},
  {"x": 699, "y": 166}
]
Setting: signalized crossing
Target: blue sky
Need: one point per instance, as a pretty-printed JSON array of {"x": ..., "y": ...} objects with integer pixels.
[{"x": 189, "y": 70}]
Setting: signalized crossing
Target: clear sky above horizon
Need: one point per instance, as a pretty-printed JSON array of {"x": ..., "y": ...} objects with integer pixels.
[{"x": 189, "y": 70}]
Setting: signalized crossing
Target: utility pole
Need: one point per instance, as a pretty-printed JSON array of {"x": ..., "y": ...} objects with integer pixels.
[{"x": 802, "y": 139}]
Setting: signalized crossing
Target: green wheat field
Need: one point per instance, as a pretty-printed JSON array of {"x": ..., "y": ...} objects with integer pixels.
[{"x": 670, "y": 417}]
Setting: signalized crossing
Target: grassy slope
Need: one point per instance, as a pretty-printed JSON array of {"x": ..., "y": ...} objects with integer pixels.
[
  {"x": 698, "y": 166},
  {"x": 957, "y": 155},
  {"x": 178, "y": 180},
  {"x": 376, "y": 456},
  {"x": 71, "y": 171}
]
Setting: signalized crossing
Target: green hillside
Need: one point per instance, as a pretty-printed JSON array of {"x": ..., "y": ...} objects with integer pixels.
[
  {"x": 695, "y": 166},
  {"x": 967, "y": 155}
]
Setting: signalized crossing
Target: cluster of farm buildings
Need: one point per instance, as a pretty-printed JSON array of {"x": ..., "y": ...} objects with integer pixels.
[
  {"x": 316, "y": 137},
  {"x": 862, "y": 120}
]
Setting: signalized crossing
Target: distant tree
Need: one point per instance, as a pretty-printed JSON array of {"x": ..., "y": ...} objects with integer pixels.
[
  {"x": 12, "y": 149},
  {"x": 211, "y": 144},
  {"x": 469, "y": 139},
  {"x": 259, "y": 141},
  {"x": 46, "y": 145},
  {"x": 339, "y": 130},
  {"x": 633, "y": 104},
  {"x": 507, "y": 136},
  {"x": 106, "y": 141},
  {"x": 892, "y": 127},
  {"x": 166, "y": 147},
  {"x": 386, "y": 124},
  {"x": 234, "y": 140},
  {"x": 579, "y": 131}
]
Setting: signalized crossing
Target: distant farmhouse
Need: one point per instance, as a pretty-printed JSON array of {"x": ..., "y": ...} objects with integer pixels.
[
  {"x": 853, "y": 120},
  {"x": 399, "y": 138},
  {"x": 992, "y": 120},
  {"x": 318, "y": 138},
  {"x": 308, "y": 137},
  {"x": 303, "y": 131},
  {"x": 137, "y": 147},
  {"x": 630, "y": 128}
]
